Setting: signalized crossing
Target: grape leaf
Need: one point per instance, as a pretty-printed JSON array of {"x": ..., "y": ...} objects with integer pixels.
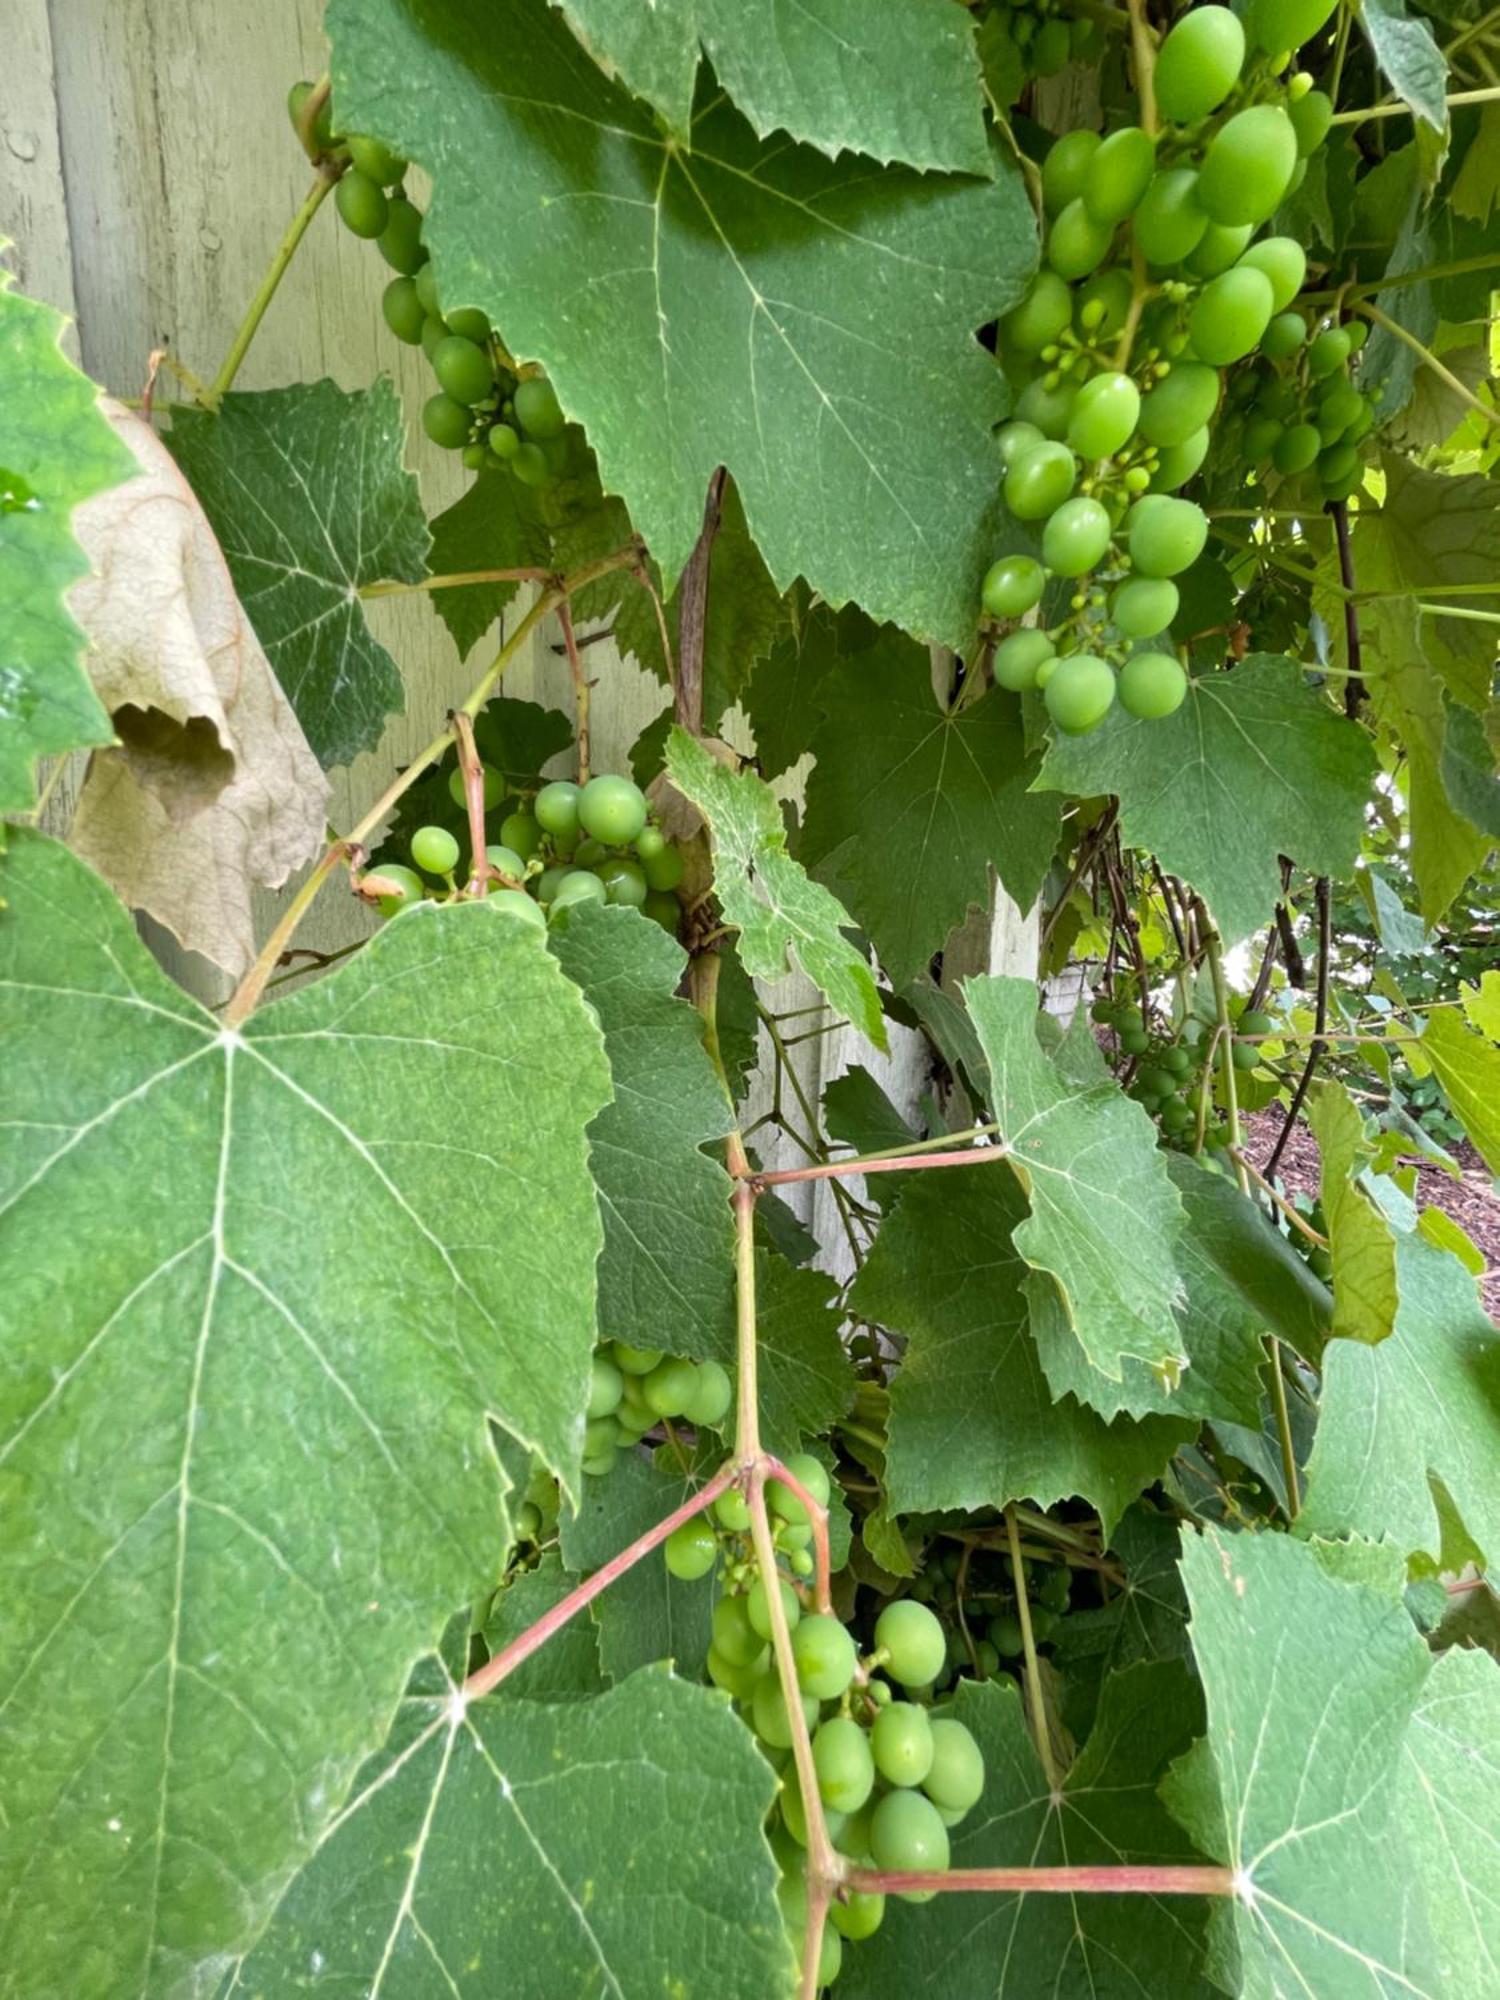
[
  {"x": 1445, "y": 847},
  {"x": 569, "y": 1662},
  {"x": 1359, "y": 1237},
  {"x": 1104, "y": 1214},
  {"x": 1310, "y": 1682},
  {"x": 1450, "y": 1776},
  {"x": 807, "y": 325},
  {"x": 972, "y": 1420},
  {"x": 780, "y": 915},
  {"x": 648, "y": 1614},
  {"x": 859, "y": 1115},
  {"x": 1481, "y": 1003},
  {"x": 666, "y": 1273},
  {"x": 483, "y": 1825},
  {"x": 1144, "y": 1619},
  {"x": 806, "y": 1378},
  {"x": 55, "y": 450},
  {"x": 782, "y": 698},
  {"x": 1423, "y": 1404},
  {"x": 1408, "y": 58},
  {"x": 306, "y": 490},
  {"x": 267, "y": 1287},
  {"x": 1255, "y": 764},
  {"x": 1105, "y": 1811},
  {"x": 899, "y": 82},
  {"x": 909, "y": 804},
  {"x": 1468, "y": 770},
  {"x": 1468, "y": 1067}
]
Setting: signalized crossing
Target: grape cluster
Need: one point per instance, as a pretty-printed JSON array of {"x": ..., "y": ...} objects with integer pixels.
[
  {"x": 987, "y": 1639},
  {"x": 634, "y": 1388},
  {"x": 1300, "y": 413},
  {"x": 1155, "y": 283},
  {"x": 1168, "y": 1070},
  {"x": 570, "y": 844},
  {"x": 1318, "y": 1260},
  {"x": 1048, "y": 35},
  {"x": 497, "y": 415}
]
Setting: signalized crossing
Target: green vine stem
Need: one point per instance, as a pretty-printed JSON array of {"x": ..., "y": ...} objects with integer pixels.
[
  {"x": 1397, "y": 109},
  {"x": 312, "y": 201},
  {"x": 1370, "y": 311},
  {"x": 582, "y": 689},
  {"x": 458, "y": 580},
  {"x": 1041, "y": 1734}
]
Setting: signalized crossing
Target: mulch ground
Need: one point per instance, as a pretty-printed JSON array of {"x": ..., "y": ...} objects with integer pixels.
[{"x": 1471, "y": 1201}]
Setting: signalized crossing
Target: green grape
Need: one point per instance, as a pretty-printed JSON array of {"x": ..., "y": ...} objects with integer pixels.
[
  {"x": 362, "y": 206},
  {"x": 1018, "y": 657},
  {"x": 1338, "y": 463},
  {"x": 1155, "y": 1083},
  {"x": 636, "y": 1360},
  {"x": 1283, "y": 337},
  {"x": 1329, "y": 350},
  {"x": 520, "y": 832},
  {"x": 600, "y": 1435},
  {"x": 665, "y": 870},
  {"x": 1104, "y": 415},
  {"x": 1231, "y": 313},
  {"x": 912, "y": 1640},
  {"x": 1076, "y": 243},
  {"x": 1152, "y": 685},
  {"x": 589, "y": 852},
  {"x": 492, "y": 780},
  {"x": 825, "y": 1656},
  {"x": 577, "y": 886},
  {"x": 664, "y": 909},
  {"x": 1218, "y": 248},
  {"x": 1198, "y": 64},
  {"x": 691, "y": 1550},
  {"x": 434, "y": 850},
  {"x": 1014, "y": 441},
  {"x": 528, "y": 1522},
  {"x": 858, "y": 1915},
  {"x": 1012, "y": 586},
  {"x": 1043, "y": 1623},
  {"x": 784, "y": 1503},
  {"x": 1118, "y": 175},
  {"x": 1179, "y": 1061},
  {"x": 624, "y": 881},
  {"x": 530, "y": 466},
  {"x": 1181, "y": 403},
  {"x": 375, "y": 160},
  {"x": 1279, "y": 26},
  {"x": 1338, "y": 411},
  {"x": 1144, "y": 606},
  {"x": 1045, "y": 670},
  {"x": 734, "y": 1635},
  {"x": 1081, "y": 693},
  {"x": 464, "y": 370},
  {"x": 768, "y": 1713},
  {"x": 445, "y": 422},
  {"x": 1284, "y": 262},
  {"x": 1065, "y": 169},
  {"x": 504, "y": 442},
  {"x": 1075, "y": 537},
  {"x": 410, "y": 888},
  {"x": 471, "y": 324},
  {"x": 712, "y": 1393},
  {"x": 758, "y": 1606},
  {"x": 516, "y": 903},
  {"x": 1047, "y": 409},
  {"x": 427, "y": 291},
  {"x": 1358, "y": 331},
  {"x": 905, "y": 1832},
  {"x": 1248, "y": 166},
  {"x": 650, "y": 842},
  {"x": 1177, "y": 463},
  {"x": 733, "y": 1509},
  {"x": 403, "y": 311},
  {"x": 1311, "y": 117},
  {"x": 669, "y": 1386},
  {"x": 1166, "y": 536},
  {"x": 556, "y": 810},
  {"x": 1169, "y": 224},
  {"x": 1055, "y": 1589},
  {"x": 538, "y": 411},
  {"x": 612, "y": 809},
  {"x": 739, "y": 1681},
  {"x": 400, "y": 242},
  {"x": 1042, "y": 315},
  {"x": 955, "y": 1781},
  {"x": 1255, "y": 1021},
  {"x": 1104, "y": 302},
  {"x": 606, "y": 1387},
  {"x": 1039, "y": 481},
  {"x": 599, "y": 1465},
  {"x": 901, "y": 1742},
  {"x": 1051, "y": 48},
  {"x": 793, "y": 1814},
  {"x": 434, "y": 333}
]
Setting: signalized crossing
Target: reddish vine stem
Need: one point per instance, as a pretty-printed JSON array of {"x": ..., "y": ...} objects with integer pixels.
[
  {"x": 581, "y": 690},
  {"x": 817, "y": 1514},
  {"x": 473, "y": 771},
  {"x": 1123, "y": 1881},
  {"x": 900, "y": 1163},
  {"x": 692, "y": 617}
]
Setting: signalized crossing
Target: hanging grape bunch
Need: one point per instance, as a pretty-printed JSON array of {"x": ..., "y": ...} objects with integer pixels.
[
  {"x": 1047, "y": 34},
  {"x": 500, "y": 416},
  {"x": 1156, "y": 284},
  {"x": 1169, "y": 1070}
]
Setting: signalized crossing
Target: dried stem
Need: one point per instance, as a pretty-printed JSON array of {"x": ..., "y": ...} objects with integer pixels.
[
  {"x": 473, "y": 770},
  {"x": 908, "y": 1159},
  {"x": 692, "y": 617},
  {"x": 581, "y": 688},
  {"x": 1297, "y": 1220}
]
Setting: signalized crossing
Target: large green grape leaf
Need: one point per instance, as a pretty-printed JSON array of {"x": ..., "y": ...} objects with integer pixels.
[
  {"x": 1467, "y": 768},
  {"x": 972, "y": 1420},
  {"x": 1450, "y": 1778},
  {"x": 1445, "y": 846},
  {"x": 1359, "y": 1237},
  {"x": 806, "y": 1378},
  {"x": 1310, "y": 1682},
  {"x": 513, "y": 1847},
  {"x": 1105, "y": 1812},
  {"x": 1145, "y": 1618},
  {"x": 306, "y": 490},
  {"x": 1468, "y": 1067},
  {"x": 1255, "y": 764},
  {"x": 55, "y": 450},
  {"x": 781, "y": 916},
  {"x": 1423, "y": 1404},
  {"x": 649, "y": 1614},
  {"x": 782, "y": 699},
  {"x": 569, "y": 1662},
  {"x": 910, "y": 804},
  {"x": 899, "y": 81},
  {"x": 267, "y": 1289},
  {"x": 807, "y": 325},
  {"x": 666, "y": 1276},
  {"x": 1104, "y": 1214}
]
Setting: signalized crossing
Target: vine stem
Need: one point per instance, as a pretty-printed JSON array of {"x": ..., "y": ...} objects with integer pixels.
[
  {"x": 473, "y": 775},
  {"x": 1397, "y": 109},
  {"x": 902, "y": 1160},
  {"x": 581, "y": 690},
  {"x": 1144, "y": 51},
  {"x": 312, "y": 201},
  {"x": 457, "y": 580},
  {"x": 1146, "y": 1880},
  {"x": 1293, "y": 1216},
  {"x": 1370, "y": 311},
  {"x": 1034, "y": 1701},
  {"x": 817, "y": 1514}
]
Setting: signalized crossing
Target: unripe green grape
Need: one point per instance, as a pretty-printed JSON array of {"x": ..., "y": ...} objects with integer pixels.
[
  {"x": 362, "y": 206},
  {"x": 409, "y": 887},
  {"x": 471, "y": 323},
  {"x": 1039, "y": 481},
  {"x": 758, "y": 1607},
  {"x": 650, "y": 842},
  {"x": 1134, "y": 1041},
  {"x": 784, "y": 1503},
  {"x": 576, "y": 887},
  {"x": 1362, "y": 425},
  {"x": 739, "y": 1680},
  {"x": 1311, "y": 116},
  {"x": 955, "y": 1781},
  {"x": 520, "y": 831},
  {"x": 434, "y": 850},
  {"x": 1279, "y": 25},
  {"x": 606, "y": 1387},
  {"x": 1284, "y": 336},
  {"x": 1017, "y": 659},
  {"x": 825, "y": 1656},
  {"x": 624, "y": 882},
  {"x": 1169, "y": 223},
  {"x": 1080, "y": 693},
  {"x": 1180, "y": 404},
  {"x": 1012, "y": 586},
  {"x": 400, "y": 242},
  {"x": 1144, "y": 606},
  {"x": 1261, "y": 437},
  {"x": 434, "y": 333},
  {"x": 1329, "y": 350},
  {"x": 600, "y": 1435},
  {"x": 712, "y": 1392},
  {"x": 1166, "y": 536},
  {"x": 1044, "y": 313},
  {"x": 1231, "y": 313},
  {"x": 1045, "y": 669},
  {"x": 1065, "y": 169},
  {"x": 589, "y": 853},
  {"x": 1075, "y": 537},
  {"x": 1284, "y": 262},
  {"x": 845, "y": 1766},
  {"x": 1076, "y": 243},
  {"x": 793, "y": 1813},
  {"x": 556, "y": 810},
  {"x": 1218, "y": 248},
  {"x": 901, "y": 1742},
  {"x": 464, "y": 370},
  {"x": 912, "y": 1640},
  {"x": 768, "y": 1713},
  {"x": 1198, "y": 64},
  {"x": 403, "y": 312},
  {"x": 1119, "y": 174},
  {"x": 906, "y": 1833},
  {"x": 612, "y": 809},
  {"x": 538, "y": 411},
  {"x": 1358, "y": 331},
  {"x": 1051, "y": 48},
  {"x": 492, "y": 782},
  {"x": 1103, "y": 417},
  {"x": 858, "y": 1915},
  {"x": 1105, "y": 299},
  {"x": 691, "y": 1550},
  {"x": 1048, "y": 409},
  {"x": 446, "y": 422},
  {"x": 1338, "y": 464},
  {"x": 665, "y": 870},
  {"x": 375, "y": 160},
  {"x": 427, "y": 291},
  {"x": 1248, "y": 166},
  {"x": 669, "y": 1386},
  {"x": 1014, "y": 441},
  {"x": 734, "y": 1635},
  {"x": 1178, "y": 462},
  {"x": 636, "y": 1360},
  {"x": 530, "y": 466},
  {"x": 733, "y": 1509},
  {"x": 1339, "y": 410},
  {"x": 1152, "y": 685}
]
